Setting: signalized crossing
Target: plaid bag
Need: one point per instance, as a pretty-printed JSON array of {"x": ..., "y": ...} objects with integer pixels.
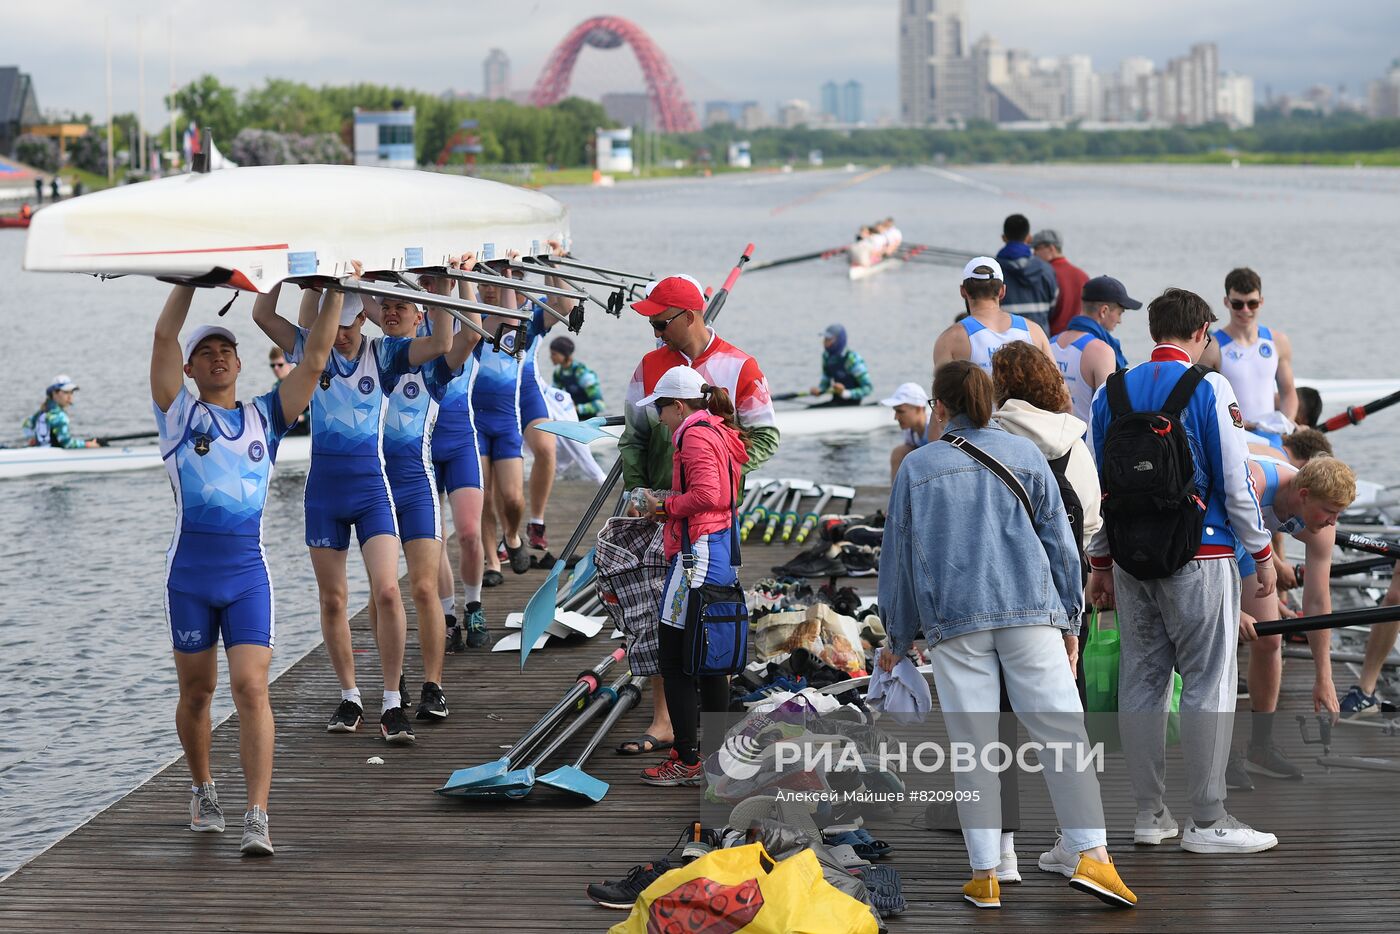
[{"x": 631, "y": 576}]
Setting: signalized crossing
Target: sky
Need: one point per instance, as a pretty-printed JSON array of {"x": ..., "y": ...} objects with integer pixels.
[{"x": 764, "y": 50}]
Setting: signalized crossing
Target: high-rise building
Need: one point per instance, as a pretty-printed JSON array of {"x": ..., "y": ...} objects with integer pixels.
[
  {"x": 794, "y": 113},
  {"x": 852, "y": 103},
  {"x": 831, "y": 100},
  {"x": 936, "y": 80},
  {"x": 1077, "y": 84},
  {"x": 496, "y": 76},
  {"x": 1384, "y": 94},
  {"x": 1235, "y": 100}
]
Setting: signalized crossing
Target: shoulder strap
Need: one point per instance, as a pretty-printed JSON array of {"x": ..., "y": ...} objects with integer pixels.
[
  {"x": 1183, "y": 391},
  {"x": 996, "y": 467},
  {"x": 1117, "y": 387},
  {"x": 1060, "y": 464}
]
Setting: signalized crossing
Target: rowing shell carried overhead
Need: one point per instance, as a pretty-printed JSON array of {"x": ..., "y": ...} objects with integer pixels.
[{"x": 251, "y": 228}]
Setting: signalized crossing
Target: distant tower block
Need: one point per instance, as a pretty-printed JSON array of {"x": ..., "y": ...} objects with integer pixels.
[
  {"x": 669, "y": 104},
  {"x": 496, "y": 76}
]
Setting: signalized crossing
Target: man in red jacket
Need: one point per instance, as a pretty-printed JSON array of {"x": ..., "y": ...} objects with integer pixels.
[{"x": 1048, "y": 246}]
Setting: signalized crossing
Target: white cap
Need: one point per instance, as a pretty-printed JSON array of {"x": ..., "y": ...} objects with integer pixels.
[
  {"x": 970, "y": 270},
  {"x": 62, "y": 383},
  {"x": 348, "y": 313},
  {"x": 907, "y": 394},
  {"x": 679, "y": 382},
  {"x": 207, "y": 330}
]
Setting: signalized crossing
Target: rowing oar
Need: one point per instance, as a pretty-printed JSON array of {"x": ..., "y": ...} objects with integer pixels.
[
  {"x": 572, "y": 778},
  {"x": 517, "y": 783},
  {"x": 802, "y": 258},
  {"x": 1347, "y": 568},
  {"x": 134, "y": 436},
  {"x": 1355, "y": 413},
  {"x": 539, "y": 612},
  {"x": 1376, "y": 546},
  {"x": 586, "y": 684},
  {"x": 1366, "y": 617}
]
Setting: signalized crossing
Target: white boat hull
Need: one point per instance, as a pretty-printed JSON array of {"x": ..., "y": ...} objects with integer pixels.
[
  {"x": 251, "y": 228},
  {"x": 857, "y": 273},
  {"x": 1337, "y": 394},
  {"x": 36, "y": 461}
]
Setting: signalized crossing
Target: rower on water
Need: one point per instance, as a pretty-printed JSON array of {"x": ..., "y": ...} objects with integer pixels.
[
  {"x": 844, "y": 374},
  {"x": 910, "y": 404},
  {"x": 1305, "y": 503},
  {"x": 575, "y": 378},
  {"x": 49, "y": 426},
  {"x": 1256, "y": 360},
  {"x": 1086, "y": 350},
  {"x": 987, "y": 326},
  {"x": 346, "y": 487},
  {"x": 219, "y": 454}
]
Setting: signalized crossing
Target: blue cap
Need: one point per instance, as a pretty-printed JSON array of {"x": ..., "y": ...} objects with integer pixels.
[{"x": 1108, "y": 289}]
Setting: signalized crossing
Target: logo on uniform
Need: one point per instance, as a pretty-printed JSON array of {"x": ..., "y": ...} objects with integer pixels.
[
  {"x": 1235, "y": 415},
  {"x": 410, "y": 390},
  {"x": 508, "y": 342},
  {"x": 256, "y": 451},
  {"x": 1266, "y": 351},
  {"x": 325, "y": 381},
  {"x": 201, "y": 444},
  {"x": 366, "y": 384}
]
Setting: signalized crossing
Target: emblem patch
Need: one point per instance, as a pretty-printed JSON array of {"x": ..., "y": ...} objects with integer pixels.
[
  {"x": 410, "y": 391},
  {"x": 1266, "y": 351},
  {"x": 325, "y": 381},
  {"x": 256, "y": 451},
  {"x": 366, "y": 384},
  {"x": 1235, "y": 415},
  {"x": 201, "y": 444}
]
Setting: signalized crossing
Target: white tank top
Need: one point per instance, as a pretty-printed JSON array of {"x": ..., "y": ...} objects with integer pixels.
[
  {"x": 1071, "y": 362},
  {"x": 986, "y": 342},
  {"x": 1252, "y": 370}
]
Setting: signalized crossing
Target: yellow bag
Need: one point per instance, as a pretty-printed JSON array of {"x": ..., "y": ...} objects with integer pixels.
[{"x": 744, "y": 890}]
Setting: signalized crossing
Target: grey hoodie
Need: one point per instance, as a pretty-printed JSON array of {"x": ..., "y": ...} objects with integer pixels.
[{"x": 1056, "y": 433}]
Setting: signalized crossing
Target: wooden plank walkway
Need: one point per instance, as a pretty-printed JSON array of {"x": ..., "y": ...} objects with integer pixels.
[{"x": 370, "y": 848}]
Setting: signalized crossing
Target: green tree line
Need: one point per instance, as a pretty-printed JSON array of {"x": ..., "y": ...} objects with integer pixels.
[{"x": 559, "y": 135}]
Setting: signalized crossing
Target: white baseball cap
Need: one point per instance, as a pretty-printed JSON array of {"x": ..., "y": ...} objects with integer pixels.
[
  {"x": 970, "y": 270},
  {"x": 62, "y": 383},
  {"x": 348, "y": 313},
  {"x": 679, "y": 382},
  {"x": 204, "y": 331},
  {"x": 907, "y": 394}
]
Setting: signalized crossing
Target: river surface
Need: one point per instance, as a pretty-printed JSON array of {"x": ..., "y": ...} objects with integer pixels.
[{"x": 87, "y": 689}]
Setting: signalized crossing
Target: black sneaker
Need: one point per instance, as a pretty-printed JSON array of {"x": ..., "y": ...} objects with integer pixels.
[
  {"x": 347, "y": 718},
  {"x": 817, "y": 563},
  {"x": 492, "y": 578},
  {"x": 519, "y": 557},
  {"x": 432, "y": 704},
  {"x": 477, "y": 635},
  {"x": 403, "y": 690},
  {"x": 393, "y": 726},
  {"x": 623, "y": 893},
  {"x": 865, "y": 535},
  {"x": 456, "y": 639},
  {"x": 860, "y": 562}
]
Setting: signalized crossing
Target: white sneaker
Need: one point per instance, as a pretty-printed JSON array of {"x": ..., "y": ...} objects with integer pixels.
[
  {"x": 1007, "y": 872},
  {"x": 1059, "y": 859},
  {"x": 1151, "y": 829},
  {"x": 1227, "y": 835}
]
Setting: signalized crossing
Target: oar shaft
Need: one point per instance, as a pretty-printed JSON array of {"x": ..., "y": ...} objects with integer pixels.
[
  {"x": 601, "y": 699},
  {"x": 1377, "y": 546},
  {"x": 1356, "y": 413},
  {"x": 627, "y": 697},
  {"x": 1346, "y": 568},
  {"x": 1367, "y": 617},
  {"x": 587, "y": 683}
]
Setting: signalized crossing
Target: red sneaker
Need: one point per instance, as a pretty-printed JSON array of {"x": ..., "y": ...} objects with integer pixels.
[
  {"x": 672, "y": 771},
  {"x": 534, "y": 531}
]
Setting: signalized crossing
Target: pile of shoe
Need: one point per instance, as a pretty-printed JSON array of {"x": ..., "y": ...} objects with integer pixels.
[
  {"x": 785, "y": 593},
  {"x": 789, "y": 672},
  {"x": 848, "y": 546}
]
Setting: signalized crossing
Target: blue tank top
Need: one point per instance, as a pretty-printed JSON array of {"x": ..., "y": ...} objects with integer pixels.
[
  {"x": 499, "y": 372},
  {"x": 1271, "y": 467},
  {"x": 350, "y": 401}
]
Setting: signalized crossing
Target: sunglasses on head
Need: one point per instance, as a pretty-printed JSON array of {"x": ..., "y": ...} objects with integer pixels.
[
  {"x": 659, "y": 326},
  {"x": 1239, "y": 303}
]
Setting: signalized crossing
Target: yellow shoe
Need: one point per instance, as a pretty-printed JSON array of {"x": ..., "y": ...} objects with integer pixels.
[
  {"x": 984, "y": 893},
  {"x": 1101, "y": 881}
]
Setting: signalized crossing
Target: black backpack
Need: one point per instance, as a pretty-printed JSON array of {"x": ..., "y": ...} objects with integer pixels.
[
  {"x": 1074, "y": 508},
  {"x": 1151, "y": 507}
]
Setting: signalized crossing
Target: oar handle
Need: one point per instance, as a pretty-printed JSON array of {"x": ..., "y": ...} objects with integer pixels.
[
  {"x": 602, "y": 698},
  {"x": 1377, "y": 546},
  {"x": 1366, "y": 617},
  {"x": 628, "y": 697},
  {"x": 1346, "y": 568},
  {"x": 586, "y": 684},
  {"x": 1354, "y": 414}
]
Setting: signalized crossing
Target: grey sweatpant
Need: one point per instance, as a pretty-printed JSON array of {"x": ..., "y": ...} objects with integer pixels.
[{"x": 1190, "y": 622}]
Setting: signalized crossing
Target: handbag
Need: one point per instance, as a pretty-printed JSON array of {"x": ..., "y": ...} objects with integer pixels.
[
  {"x": 1099, "y": 658},
  {"x": 716, "y": 636}
]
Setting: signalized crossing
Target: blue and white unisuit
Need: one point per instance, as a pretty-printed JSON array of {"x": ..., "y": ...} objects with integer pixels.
[
  {"x": 219, "y": 461},
  {"x": 501, "y": 406},
  {"x": 986, "y": 342},
  {"x": 1252, "y": 370},
  {"x": 346, "y": 484},
  {"x": 1273, "y": 469},
  {"x": 409, "y": 427}
]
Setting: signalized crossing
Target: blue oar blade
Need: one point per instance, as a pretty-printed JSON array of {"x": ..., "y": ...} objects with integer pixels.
[
  {"x": 464, "y": 778},
  {"x": 583, "y": 432},
  {"x": 539, "y": 612},
  {"x": 575, "y": 782},
  {"x": 583, "y": 575},
  {"x": 514, "y": 784}
]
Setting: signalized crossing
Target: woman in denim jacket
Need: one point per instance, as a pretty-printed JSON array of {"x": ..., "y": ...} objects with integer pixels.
[{"x": 993, "y": 592}]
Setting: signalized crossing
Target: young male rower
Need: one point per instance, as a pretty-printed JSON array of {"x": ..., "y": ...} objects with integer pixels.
[
  {"x": 910, "y": 404},
  {"x": 844, "y": 373},
  {"x": 346, "y": 487},
  {"x": 1305, "y": 503},
  {"x": 986, "y": 327},
  {"x": 219, "y": 454},
  {"x": 49, "y": 427},
  {"x": 1256, "y": 360},
  {"x": 675, "y": 309},
  {"x": 408, "y": 438},
  {"x": 1086, "y": 350}
]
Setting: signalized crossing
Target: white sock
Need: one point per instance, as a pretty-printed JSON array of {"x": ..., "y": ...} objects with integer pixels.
[
  {"x": 1008, "y": 843},
  {"x": 391, "y": 700},
  {"x": 537, "y": 520},
  {"x": 447, "y": 604},
  {"x": 352, "y": 695},
  {"x": 473, "y": 592}
]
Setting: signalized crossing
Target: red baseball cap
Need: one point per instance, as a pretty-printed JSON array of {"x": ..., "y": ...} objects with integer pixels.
[{"x": 679, "y": 291}]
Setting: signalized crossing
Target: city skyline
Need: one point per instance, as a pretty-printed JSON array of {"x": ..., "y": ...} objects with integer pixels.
[{"x": 729, "y": 50}]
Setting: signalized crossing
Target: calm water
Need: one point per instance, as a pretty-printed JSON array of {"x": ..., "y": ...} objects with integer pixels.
[{"x": 87, "y": 690}]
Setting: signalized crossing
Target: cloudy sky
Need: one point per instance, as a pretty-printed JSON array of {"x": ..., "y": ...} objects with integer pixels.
[{"x": 768, "y": 50}]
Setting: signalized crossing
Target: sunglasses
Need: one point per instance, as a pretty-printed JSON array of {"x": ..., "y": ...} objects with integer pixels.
[
  {"x": 1239, "y": 303},
  {"x": 661, "y": 404},
  {"x": 660, "y": 326},
  {"x": 1208, "y": 339},
  {"x": 276, "y": 366}
]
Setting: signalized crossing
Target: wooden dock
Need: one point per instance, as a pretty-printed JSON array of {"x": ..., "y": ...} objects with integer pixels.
[{"x": 369, "y": 848}]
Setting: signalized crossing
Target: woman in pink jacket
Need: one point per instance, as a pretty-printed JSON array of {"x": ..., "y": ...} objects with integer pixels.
[{"x": 699, "y": 517}]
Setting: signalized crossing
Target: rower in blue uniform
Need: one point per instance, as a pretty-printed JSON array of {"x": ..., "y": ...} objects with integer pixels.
[
  {"x": 346, "y": 487},
  {"x": 219, "y": 454}
]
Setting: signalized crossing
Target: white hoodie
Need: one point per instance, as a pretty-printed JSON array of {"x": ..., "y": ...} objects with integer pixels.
[{"x": 1055, "y": 433}]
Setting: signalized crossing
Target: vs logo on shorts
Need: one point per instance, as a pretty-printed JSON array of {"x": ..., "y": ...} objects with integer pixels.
[
  {"x": 201, "y": 444},
  {"x": 256, "y": 451},
  {"x": 1235, "y": 415},
  {"x": 366, "y": 385}
]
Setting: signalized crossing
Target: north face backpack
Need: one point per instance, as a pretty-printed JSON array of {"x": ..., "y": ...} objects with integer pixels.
[{"x": 1151, "y": 507}]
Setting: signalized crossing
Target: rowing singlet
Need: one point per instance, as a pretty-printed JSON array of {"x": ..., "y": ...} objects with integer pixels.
[
  {"x": 1071, "y": 360},
  {"x": 348, "y": 406},
  {"x": 986, "y": 342},
  {"x": 1273, "y": 469},
  {"x": 1252, "y": 370}
]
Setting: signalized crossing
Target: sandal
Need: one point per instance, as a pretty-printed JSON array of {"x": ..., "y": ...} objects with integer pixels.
[
  {"x": 519, "y": 557},
  {"x": 642, "y": 745},
  {"x": 880, "y": 847}
]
